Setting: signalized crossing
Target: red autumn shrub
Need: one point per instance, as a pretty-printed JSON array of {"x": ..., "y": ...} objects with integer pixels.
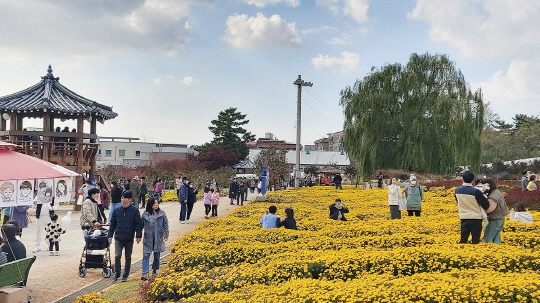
[
  {"x": 531, "y": 199},
  {"x": 446, "y": 183}
]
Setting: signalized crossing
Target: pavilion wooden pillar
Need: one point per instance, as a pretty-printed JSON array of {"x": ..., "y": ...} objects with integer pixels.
[
  {"x": 3, "y": 124},
  {"x": 13, "y": 126},
  {"x": 46, "y": 139},
  {"x": 93, "y": 132},
  {"x": 80, "y": 147}
]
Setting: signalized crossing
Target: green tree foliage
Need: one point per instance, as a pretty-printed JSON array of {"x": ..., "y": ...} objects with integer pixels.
[
  {"x": 229, "y": 132},
  {"x": 507, "y": 142},
  {"x": 419, "y": 117},
  {"x": 275, "y": 159},
  {"x": 311, "y": 171}
]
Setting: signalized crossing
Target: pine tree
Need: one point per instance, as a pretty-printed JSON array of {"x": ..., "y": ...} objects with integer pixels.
[{"x": 229, "y": 133}]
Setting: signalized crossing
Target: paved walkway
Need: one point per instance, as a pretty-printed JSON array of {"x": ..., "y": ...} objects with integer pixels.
[{"x": 54, "y": 277}]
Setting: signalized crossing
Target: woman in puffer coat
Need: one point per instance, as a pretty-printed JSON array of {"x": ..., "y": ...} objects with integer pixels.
[{"x": 155, "y": 234}]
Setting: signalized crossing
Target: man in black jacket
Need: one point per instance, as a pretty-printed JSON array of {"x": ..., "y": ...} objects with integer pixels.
[
  {"x": 125, "y": 224},
  {"x": 337, "y": 181}
]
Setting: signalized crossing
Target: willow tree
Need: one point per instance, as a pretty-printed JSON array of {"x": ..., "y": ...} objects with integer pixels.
[{"x": 419, "y": 117}]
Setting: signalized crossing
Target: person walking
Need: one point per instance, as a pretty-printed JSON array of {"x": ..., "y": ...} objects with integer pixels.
[
  {"x": 470, "y": 201},
  {"x": 337, "y": 181},
  {"x": 183, "y": 197},
  {"x": 159, "y": 188},
  {"x": 192, "y": 198},
  {"x": 414, "y": 194},
  {"x": 116, "y": 198},
  {"x": 178, "y": 183},
  {"x": 240, "y": 193},
  {"x": 126, "y": 224},
  {"x": 144, "y": 192},
  {"x": 19, "y": 214},
  {"x": 135, "y": 188},
  {"x": 233, "y": 189},
  {"x": 246, "y": 189},
  {"x": 156, "y": 233},
  {"x": 394, "y": 194},
  {"x": 492, "y": 232},
  {"x": 215, "y": 201},
  {"x": 53, "y": 231},
  {"x": 91, "y": 215},
  {"x": 207, "y": 201},
  {"x": 104, "y": 196}
]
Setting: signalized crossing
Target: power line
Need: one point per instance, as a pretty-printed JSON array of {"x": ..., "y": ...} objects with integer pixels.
[
  {"x": 323, "y": 117},
  {"x": 321, "y": 100}
]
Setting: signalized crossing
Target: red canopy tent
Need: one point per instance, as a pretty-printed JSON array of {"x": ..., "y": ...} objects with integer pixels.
[{"x": 17, "y": 166}]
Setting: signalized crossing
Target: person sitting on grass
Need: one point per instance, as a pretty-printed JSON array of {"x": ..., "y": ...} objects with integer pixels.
[
  {"x": 270, "y": 219},
  {"x": 520, "y": 214},
  {"x": 337, "y": 209},
  {"x": 289, "y": 222}
]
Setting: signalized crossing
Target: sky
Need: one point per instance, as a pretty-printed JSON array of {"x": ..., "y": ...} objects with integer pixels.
[{"x": 168, "y": 67}]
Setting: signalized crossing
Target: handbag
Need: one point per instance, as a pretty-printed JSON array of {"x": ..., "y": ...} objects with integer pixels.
[
  {"x": 402, "y": 203},
  {"x": 80, "y": 200}
]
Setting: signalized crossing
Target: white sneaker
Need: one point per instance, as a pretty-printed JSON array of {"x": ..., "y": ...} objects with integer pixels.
[
  {"x": 36, "y": 250},
  {"x": 189, "y": 221},
  {"x": 56, "y": 253},
  {"x": 182, "y": 222},
  {"x": 51, "y": 253}
]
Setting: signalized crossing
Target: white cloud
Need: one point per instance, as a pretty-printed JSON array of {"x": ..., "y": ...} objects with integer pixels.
[
  {"x": 83, "y": 28},
  {"x": 263, "y": 3},
  {"x": 514, "y": 91},
  {"x": 189, "y": 81},
  {"x": 186, "y": 81},
  {"x": 348, "y": 62},
  {"x": 246, "y": 32},
  {"x": 330, "y": 4},
  {"x": 336, "y": 41},
  {"x": 483, "y": 28},
  {"x": 356, "y": 9}
]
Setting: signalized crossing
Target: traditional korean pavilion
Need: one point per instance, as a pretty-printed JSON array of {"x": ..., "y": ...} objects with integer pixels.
[{"x": 51, "y": 101}]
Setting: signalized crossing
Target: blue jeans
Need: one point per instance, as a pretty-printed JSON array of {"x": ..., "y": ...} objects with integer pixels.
[
  {"x": 183, "y": 211},
  {"x": 128, "y": 246},
  {"x": 492, "y": 233},
  {"x": 146, "y": 261},
  {"x": 111, "y": 209}
]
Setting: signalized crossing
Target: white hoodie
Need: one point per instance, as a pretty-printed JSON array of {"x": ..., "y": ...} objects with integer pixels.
[{"x": 522, "y": 216}]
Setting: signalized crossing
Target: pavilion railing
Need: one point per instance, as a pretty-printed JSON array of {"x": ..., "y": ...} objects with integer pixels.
[{"x": 62, "y": 153}]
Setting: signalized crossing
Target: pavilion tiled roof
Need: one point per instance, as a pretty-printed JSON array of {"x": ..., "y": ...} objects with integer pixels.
[{"x": 50, "y": 95}]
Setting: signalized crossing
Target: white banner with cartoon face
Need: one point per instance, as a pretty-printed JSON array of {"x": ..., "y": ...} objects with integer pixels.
[
  {"x": 8, "y": 193},
  {"x": 62, "y": 190},
  {"x": 45, "y": 191},
  {"x": 25, "y": 192}
]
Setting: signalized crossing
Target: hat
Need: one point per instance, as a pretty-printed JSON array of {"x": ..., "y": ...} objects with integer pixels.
[
  {"x": 413, "y": 177},
  {"x": 136, "y": 178}
]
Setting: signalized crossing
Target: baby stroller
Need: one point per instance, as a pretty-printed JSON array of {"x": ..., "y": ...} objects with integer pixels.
[{"x": 96, "y": 252}]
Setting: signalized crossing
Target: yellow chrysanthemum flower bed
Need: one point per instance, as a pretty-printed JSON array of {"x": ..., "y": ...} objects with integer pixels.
[{"x": 368, "y": 258}]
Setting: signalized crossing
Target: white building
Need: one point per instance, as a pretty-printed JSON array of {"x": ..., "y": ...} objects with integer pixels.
[
  {"x": 130, "y": 152},
  {"x": 319, "y": 158}
]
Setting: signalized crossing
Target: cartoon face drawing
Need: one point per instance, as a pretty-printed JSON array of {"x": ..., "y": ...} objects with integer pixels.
[
  {"x": 6, "y": 191},
  {"x": 61, "y": 189}
]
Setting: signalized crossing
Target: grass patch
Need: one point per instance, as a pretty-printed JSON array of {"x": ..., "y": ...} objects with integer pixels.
[{"x": 123, "y": 292}]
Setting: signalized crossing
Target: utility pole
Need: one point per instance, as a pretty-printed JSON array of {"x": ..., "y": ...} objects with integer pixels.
[{"x": 299, "y": 82}]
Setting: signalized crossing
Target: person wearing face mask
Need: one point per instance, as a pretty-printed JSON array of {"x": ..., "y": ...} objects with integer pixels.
[
  {"x": 394, "y": 194},
  {"x": 414, "y": 194},
  {"x": 496, "y": 212}
]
